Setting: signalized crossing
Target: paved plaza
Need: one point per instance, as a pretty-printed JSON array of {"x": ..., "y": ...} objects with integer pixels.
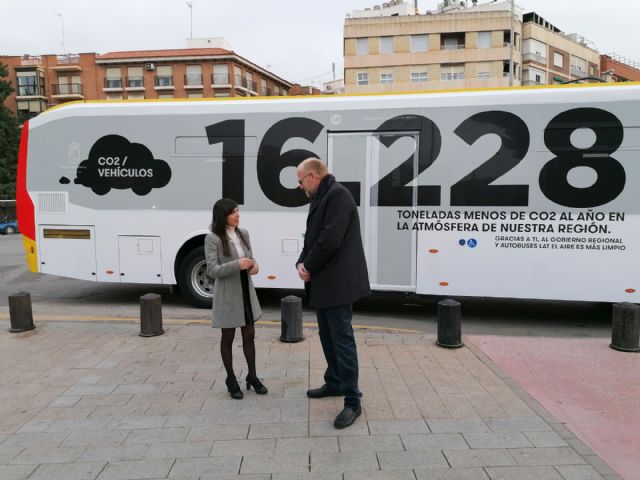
[{"x": 93, "y": 400}]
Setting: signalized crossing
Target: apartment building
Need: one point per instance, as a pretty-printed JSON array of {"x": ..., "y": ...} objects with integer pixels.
[
  {"x": 41, "y": 82},
  {"x": 616, "y": 68},
  {"x": 390, "y": 47}
]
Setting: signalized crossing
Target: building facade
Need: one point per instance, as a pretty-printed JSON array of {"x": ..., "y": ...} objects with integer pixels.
[
  {"x": 41, "y": 82},
  {"x": 459, "y": 45},
  {"x": 615, "y": 68}
]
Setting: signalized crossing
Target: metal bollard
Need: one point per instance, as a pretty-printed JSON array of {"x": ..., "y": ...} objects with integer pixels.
[
  {"x": 625, "y": 329},
  {"x": 449, "y": 315},
  {"x": 20, "y": 312},
  {"x": 151, "y": 315},
  {"x": 291, "y": 322}
]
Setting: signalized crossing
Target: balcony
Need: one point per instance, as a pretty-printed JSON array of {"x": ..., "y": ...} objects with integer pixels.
[
  {"x": 112, "y": 84},
  {"x": 30, "y": 60},
  {"x": 577, "y": 71},
  {"x": 28, "y": 91},
  {"x": 452, "y": 46},
  {"x": 220, "y": 80},
  {"x": 68, "y": 62},
  {"x": 528, "y": 83},
  {"x": 193, "y": 80},
  {"x": 534, "y": 57},
  {"x": 135, "y": 84},
  {"x": 67, "y": 91},
  {"x": 163, "y": 82},
  {"x": 241, "y": 82}
]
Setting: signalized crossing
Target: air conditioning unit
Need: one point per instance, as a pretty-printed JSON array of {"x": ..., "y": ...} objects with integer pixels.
[{"x": 149, "y": 66}]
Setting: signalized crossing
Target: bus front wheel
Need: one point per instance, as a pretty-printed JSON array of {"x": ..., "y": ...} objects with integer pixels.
[{"x": 192, "y": 280}]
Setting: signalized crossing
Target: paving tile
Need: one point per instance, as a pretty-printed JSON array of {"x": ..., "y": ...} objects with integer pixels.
[
  {"x": 497, "y": 440},
  {"x": 262, "y": 447},
  {"x": 380, "y": 475},
  {"x": 81, "y": 390},
  {"x": 284, "y": 463},
  {"x": 201, "y": 467},
  {"x": 547, "y": 456},
  {"x": 413, "y": 459},
  {"x": 67, "y": 471},
  {"x": 343, "y": 462},
  {"x": 157, "y": 435},
  {"x": 138, "y": 422},
  {"x": 546, "y": 439},
  {"x": 523, "y": 473},
  {"x": 381, "y": 427},
  {"x": 178, "y": 450},
  {"x": 181, "y": 420},
  {"x": 326, "y": 429},
  {"x": 518, "y": 424},
  {"x": 456, "y": 473},
  {"x": 89, "y": 438},
  {"x": 489, "y": 457},
  {"x": 306, "y": 476},
  {"x": 457, "y": 425},
  {"x": 113, "y": 454},
  {"x": 136, "y": 469},
  {"x": 218, "y": 432},
  {"x": 16, "y": 472},
  {"x": 373, "y": 443},
  {"x": 440, "y": 441},
  {"x": 278, "y": 430},
  {"x": 578, "y": 472},
  {"x": 36, "y": 456}
]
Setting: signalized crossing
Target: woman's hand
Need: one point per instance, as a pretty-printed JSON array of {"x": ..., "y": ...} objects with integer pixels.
[
  {"x": 245, "y": 263},
  {"x": 255, "y": 269}
]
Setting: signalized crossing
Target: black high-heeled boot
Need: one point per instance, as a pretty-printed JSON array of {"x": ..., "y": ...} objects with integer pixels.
[
  {"x": 233, "y": 388},
  {"x": 258, "y": 386}
]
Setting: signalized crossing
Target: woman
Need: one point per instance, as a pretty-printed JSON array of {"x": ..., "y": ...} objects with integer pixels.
[{"x": 235, "y": 304}]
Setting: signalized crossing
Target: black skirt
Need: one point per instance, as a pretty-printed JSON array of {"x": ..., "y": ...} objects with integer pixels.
[{"x": 246, "y": 299}]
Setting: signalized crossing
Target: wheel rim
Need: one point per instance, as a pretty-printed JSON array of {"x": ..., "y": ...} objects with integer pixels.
[
  {"x": 199, "y": 281},
  {"x": 10, "y": 230}
]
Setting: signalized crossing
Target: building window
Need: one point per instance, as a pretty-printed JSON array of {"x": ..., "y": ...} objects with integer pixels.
[
  {"x": 578, "y": 66},
  {"x": 452, "y": 71},
  {"x": 113, "y": 79},
  {"x": 386, "y": 78},
  {"x": 221, "y": 94},
  {"x": 483, "y": 71},
  {"x": 28, "y": 109},
  {"x": 363, "y": 79},
  {"x": 534, "y": 50},
  {"x": 194, "y": 95},
  {"x": 362, "y": 46},
  {"x": 193, "y": 76},
  {"x": 534, "y": 76},
  {"x": 135, "y": 95},
  {"x": 164, "y": 77},
  {"x": 263, "y": 87},
  {"x": 452, "y": 41},
  {"x": 221, "y": 74},
  {"x": 484, "y": 39},
  {"x": 558, "y": 59},
  {"x": 165, "y": 95},
  {"x": 419, "y": 43},
  {"x": 68, "y": 85},
  {"x": 386, "y": 45},
  {"x": 419, "y": 77},
  {"x": 114, "y": 96},
  {"x": 250, "y": 85},
  {"x": 134, "y": 77},
  {"x": 592, "y": 70}
]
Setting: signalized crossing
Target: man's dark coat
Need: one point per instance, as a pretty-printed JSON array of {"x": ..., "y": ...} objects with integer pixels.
[{"x": 333, "y": 252}]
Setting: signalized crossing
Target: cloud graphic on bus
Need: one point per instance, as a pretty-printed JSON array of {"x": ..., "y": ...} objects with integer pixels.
[{"x": 115, "y": 162}]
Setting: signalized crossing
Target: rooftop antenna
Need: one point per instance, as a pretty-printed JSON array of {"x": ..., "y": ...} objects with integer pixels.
[
  {"x": 64, "y": 49},
  {"x": 190, "y": 5}
]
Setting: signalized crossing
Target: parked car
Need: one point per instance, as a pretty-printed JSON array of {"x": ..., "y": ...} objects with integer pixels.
[{"x": 8, "y": 226}]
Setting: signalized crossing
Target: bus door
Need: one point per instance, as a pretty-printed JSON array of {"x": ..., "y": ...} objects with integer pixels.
[{"x": 372, "y": 165}]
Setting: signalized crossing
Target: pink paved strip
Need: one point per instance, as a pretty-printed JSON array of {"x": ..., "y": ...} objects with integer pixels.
[{"x": 593, "y": 389}]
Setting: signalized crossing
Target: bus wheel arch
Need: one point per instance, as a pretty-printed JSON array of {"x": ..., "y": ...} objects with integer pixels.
[{"x": 190, "y": 268}]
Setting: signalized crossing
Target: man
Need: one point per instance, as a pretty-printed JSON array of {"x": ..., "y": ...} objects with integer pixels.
[{"x": 334, "y": 270}]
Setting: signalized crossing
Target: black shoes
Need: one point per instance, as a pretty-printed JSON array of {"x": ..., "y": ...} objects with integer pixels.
[
  {"x": 233, "y": 388},
  {"x": 324, "y": 391},
  {"x": 257, "y": 385},
  {"x": 347, "y": 416}
]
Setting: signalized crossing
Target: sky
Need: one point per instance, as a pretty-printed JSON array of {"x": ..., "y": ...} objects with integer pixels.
[{"x": 297, "y": 40}]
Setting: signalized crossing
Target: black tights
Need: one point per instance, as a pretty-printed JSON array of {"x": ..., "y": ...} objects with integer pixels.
[{"x": 248, "y": 347}]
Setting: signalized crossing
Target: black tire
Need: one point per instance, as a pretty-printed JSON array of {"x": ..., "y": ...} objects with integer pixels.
[{"x": 194, "y": 286}]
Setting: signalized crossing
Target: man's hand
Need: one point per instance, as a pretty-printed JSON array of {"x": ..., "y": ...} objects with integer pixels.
[{"x": 302, "y": 273}]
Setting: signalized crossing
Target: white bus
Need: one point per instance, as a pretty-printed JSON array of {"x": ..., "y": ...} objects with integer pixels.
[{"x": 518, "y": 193}]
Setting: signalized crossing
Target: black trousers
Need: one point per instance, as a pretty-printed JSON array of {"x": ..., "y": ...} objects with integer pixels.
[{"x": 339, "y": 347}]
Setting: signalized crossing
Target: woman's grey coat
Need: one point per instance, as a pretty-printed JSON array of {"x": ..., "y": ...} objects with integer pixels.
[{"x": 228, "y": 309}]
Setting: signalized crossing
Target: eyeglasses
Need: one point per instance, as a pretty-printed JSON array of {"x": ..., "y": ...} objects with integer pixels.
[{"x": 301, "y": 179}]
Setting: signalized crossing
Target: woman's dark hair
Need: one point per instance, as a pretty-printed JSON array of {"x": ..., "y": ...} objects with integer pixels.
[{"x": 221, "y": 210}]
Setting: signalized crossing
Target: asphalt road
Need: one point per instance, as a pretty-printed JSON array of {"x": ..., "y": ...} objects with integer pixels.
[{"x": 59, "y": 298}]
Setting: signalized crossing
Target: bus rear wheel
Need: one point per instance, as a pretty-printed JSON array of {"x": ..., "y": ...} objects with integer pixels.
[{"x": 192, "y": 279}]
